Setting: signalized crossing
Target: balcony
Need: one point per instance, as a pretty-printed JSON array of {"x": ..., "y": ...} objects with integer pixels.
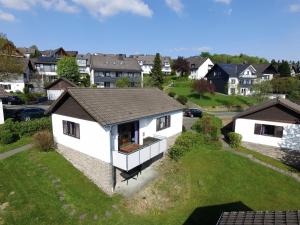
[{"x": 135, "y": 155}]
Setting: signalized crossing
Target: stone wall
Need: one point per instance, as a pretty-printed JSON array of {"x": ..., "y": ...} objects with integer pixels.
[{"x": 101, "y": 173}]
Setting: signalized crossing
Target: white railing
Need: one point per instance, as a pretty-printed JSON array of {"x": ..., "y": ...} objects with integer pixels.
[{"x": 128, "y": 161}]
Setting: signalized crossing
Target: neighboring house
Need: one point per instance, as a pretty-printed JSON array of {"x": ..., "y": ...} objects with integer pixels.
[
  {"x": 147, "y": 62},
  {"x": 234, "y": 79},
  {"x": 260, "y": 218},
  {"x": 109, "y": 134},
  {"x": 3, "y": 94},
  {"x": 27, "y": 52},
  {"x": 84, "y": 63},
  {"x": 46, "y": 65},
  {"x": 199, "y": 67},
  {"x": 275, "y": 123},
  {"x": 56, "y": 88},
  {"x": 107, "y": 69}
]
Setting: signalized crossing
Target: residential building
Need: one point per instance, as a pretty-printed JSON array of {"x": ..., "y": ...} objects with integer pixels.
[
  {"x": 110, "y": 133},
  {"x": 46, "y": 65},
  {"x": 274, "y": 123},
  {"x": 199, "y": 67},
  {"x": 3, "y": 94},
  {"x": 27, "y": 52},
  {"x": 107, "y": 69},
  {"x": 57, "y": 87},
  {"x": 234, "y": 79},
  {"x": 84, "y": 63},
  {"x": 147, "y": 62},
  {"x": 260, "y": 218}
]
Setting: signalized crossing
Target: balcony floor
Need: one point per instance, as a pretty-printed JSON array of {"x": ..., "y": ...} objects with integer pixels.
[{"x": 130, "y": 148}]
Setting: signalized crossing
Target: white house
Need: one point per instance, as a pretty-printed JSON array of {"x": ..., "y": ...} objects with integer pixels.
[
  {"x": 110, "y": 133},
  {"x": 147, "y": 62},
  {"x": 274, "y": 123},
  {"x": 3, "y": 94},
  {"x": 57, "y": 87},
  {"x": 199, "y": 67}
]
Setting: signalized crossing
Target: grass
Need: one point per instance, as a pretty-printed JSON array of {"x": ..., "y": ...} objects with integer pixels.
[
  {"x": 195, "y": 190},
  {"x": 23, "y": 141},
  {"x": 268, "y": 160},
  {"x": 183, "y": 87}
]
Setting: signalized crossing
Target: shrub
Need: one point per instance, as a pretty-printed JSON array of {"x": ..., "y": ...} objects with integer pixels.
[
  {"x": 182, "y": 99},
  {"x": 172, "y": 94},
  {"x": 185, "y": 143},
  {"x": 43, "y": 140},
  {"x": 234, "y": 139},
  {"x": 8, "y": 137},
  {"x": 209, "y": 126}
]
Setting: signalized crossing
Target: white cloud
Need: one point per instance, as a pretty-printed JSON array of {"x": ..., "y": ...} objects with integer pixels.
[
  {"x": 294, "y": 8},
  {"x": 175, "y": 5},
  {"x": 7, "y": 16},
  {"x": 106, "y": 8},
  {"x": 58, "y": 5},
  {"x": 227, "y": 2}
]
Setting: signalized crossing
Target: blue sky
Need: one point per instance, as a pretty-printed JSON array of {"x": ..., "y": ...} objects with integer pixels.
[{"x": 267, "y": 28}]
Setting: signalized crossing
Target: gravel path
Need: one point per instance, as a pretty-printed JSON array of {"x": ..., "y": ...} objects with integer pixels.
[{"x": 15, "y": 151}]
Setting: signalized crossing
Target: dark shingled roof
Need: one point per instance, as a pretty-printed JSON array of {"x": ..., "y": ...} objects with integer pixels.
[
  {"x": 46, "y": 59},
  {"x": 58, "y": 80},
  {"x": 234, "y": 69},
  {"x": 284, "y": 102},
  {"x": 260, "y": 218},
  {"x": 3, "y": 93},
  {"x": 115, "y": 63},
  {"x": 196, "y": 60},
  {"x": 117, "y": 105}
]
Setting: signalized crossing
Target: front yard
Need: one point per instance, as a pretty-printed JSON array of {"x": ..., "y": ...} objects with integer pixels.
[
  {"x": 183, "y": 87},
  {"x": 43, "y": 188},
  {"x": 23, "y": 141}
]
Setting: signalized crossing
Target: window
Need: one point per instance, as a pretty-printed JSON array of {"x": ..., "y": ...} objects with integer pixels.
[
  {"x": 268, "y": 130},
  {"x": 71, "y": 129},
  {"x": 107, "y": 84},
  {"x": 6, "y": 86},
  {"x": 232, "y": 91},
  {"x": 233, "y": 81},
  {"x": 163, "y": 122}
]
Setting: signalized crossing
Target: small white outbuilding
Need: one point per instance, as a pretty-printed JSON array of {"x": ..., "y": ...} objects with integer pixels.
[{"x": 3, "y": 94}]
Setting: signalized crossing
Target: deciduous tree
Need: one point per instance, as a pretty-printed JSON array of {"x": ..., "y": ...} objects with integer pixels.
[
  {"x": 181, "y": 66},
  {"x": 67, "y": 67}
]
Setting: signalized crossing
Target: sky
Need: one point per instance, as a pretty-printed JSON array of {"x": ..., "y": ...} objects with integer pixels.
[{"x": 265, "y": 28}]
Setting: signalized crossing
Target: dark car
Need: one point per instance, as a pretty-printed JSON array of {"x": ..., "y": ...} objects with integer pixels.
[
  {"x": 193, "y": 112},
  {"x": 27, "y": 114},
  {"x": 12, "y": 100}
]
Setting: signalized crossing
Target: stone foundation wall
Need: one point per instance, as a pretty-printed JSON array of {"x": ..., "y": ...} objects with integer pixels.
[{"x": 101, "y": 173}]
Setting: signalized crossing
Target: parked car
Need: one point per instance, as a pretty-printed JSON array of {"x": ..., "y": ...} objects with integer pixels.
[
  {"x": 12, "y": 100},
  {"x": 193, "y": 112},
  {"x": 27, "y": 114}
]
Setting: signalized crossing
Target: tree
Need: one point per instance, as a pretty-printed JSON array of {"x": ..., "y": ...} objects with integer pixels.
[
  {"x": 262, "y": 89},
  {"x": 123, "y": 82},
  {"x": 203, "y": 86},
  {"x": 205, "y": 54},
  {"x": 284, "y": 69},
  {"x": 85, "y": 80},
  {"x": 287, "y": 85},
  {"x": 156, "y": 73},
  {"x": 67, "y": 67},
  {"x": 37, "y": 52},
  {"x": 182, "y": 66}
]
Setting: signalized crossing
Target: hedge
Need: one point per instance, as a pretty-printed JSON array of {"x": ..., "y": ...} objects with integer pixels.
[{"x": 234, "y": 139}]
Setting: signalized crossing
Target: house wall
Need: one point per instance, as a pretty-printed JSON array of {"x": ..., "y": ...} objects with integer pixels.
[
  {"x": 148, "y": 126},
  {"x": 1, "y": 113},
  {"x": 54, "y": 94},
  {"x": 94, "y": 139},
  {"x": 17, "y": 85},
  {"x": 202, "y": 70},
  {"x": 290, "y": 139}
]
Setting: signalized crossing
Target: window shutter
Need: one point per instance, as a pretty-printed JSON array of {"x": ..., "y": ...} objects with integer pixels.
[
  {"x": 278, "y": 132},
  {"x": 257, "y": 129}
]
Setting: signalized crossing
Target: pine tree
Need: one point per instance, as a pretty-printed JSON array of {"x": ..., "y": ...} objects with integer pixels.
[{"x": 156, "y": 73}]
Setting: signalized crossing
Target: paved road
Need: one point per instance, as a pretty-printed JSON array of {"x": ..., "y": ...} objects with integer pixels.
[
  {"x": 15, "y": 107},
  {"x": 224, "y": 114}
]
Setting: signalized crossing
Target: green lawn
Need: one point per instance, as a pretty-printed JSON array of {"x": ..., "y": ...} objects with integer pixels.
[
  {"x": 17, "y": 144},
  {"x": 193, "y": 191},
  {"x": 183, "y": 87}
]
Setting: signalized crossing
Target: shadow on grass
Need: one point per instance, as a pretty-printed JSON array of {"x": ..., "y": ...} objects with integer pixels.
[
  {"x": 197, "y": 96},
  {"x": 210, "y": 215}
]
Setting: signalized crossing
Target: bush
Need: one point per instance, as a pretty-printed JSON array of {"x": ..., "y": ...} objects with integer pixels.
[
  {"x": 234, "y": 139},
  {"x": 185, "y": 143},
  {"x": 8, "y": 137},
  {"x": 43, "y": 140},
  {"x": 26, "y": 128},
  {"x": 209, "y": 126},
  {"x": 172, "y": 94},
  {"x": 182, "y": 99}
]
